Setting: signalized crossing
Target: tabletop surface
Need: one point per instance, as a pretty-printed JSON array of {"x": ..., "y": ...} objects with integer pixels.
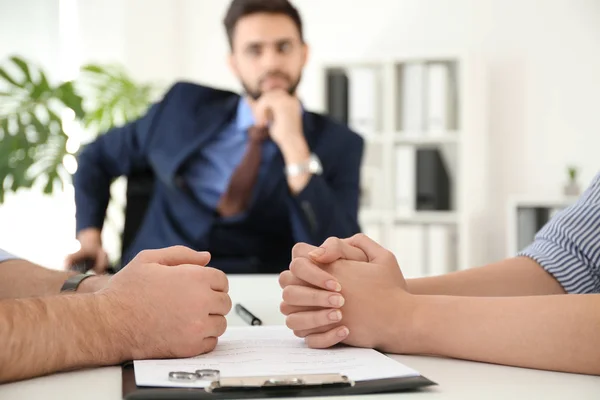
[{"x": 456, "y": 379}]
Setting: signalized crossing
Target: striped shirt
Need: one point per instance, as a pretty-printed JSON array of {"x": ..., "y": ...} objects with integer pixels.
[
  {"x": 4, "y": 256},
  {"x": 568, "y": 246}
]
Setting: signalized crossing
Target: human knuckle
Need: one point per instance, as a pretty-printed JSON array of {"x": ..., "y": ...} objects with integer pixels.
[
  {"x": 227, "y": 303},
  {"x": 301, "y": 249},
  {"x": 360, "y": 236},
  {"x": 297, "y": 265},
  {"x": 283, "y": 278},
  {"x": 300, "y": 333},
  {"x": 289, "y": 322},
  {"x": 144, "y": 255},
  {"x": 284, "y": 308},
  {"x": 287, "y": 294}
]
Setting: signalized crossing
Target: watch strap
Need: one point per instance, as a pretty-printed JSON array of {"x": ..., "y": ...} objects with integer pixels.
[
  {"x": 73, "y": 282},
  {"x": 312, "y": 165}
]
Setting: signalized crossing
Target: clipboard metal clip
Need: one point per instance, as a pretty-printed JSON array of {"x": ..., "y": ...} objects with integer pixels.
[
  {"x": 211, "y": 375},
  {"x": 279, "y": 383}
]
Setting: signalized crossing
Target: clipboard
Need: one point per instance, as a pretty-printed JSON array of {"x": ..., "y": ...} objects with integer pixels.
[{"x": 265, "y": 387}]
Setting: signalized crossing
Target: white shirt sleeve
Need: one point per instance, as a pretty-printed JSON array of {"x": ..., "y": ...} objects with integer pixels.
[{"x": 4, "y": 256}]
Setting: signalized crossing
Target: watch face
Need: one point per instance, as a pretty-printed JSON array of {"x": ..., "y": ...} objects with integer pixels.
[{"x": 314, "y": 165}]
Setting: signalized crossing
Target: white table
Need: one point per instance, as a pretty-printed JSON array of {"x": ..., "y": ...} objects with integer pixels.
[{"x": 261, "y": 295}]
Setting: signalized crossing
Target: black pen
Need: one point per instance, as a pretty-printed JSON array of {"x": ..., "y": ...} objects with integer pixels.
[{"x": 246, "y": 315}]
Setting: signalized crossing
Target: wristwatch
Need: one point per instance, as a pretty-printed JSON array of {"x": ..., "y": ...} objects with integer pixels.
[
  {"x": 311, "y": 166},
  {"x": 73, "y": 282}
]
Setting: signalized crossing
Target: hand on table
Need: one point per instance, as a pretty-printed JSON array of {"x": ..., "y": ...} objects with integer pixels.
[
  {"x": 166, "y": 304},
  {"x": 350, "y": 291}
]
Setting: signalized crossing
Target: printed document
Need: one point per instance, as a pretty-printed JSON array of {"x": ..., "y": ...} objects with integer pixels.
[{"x": 271, "y": 351}]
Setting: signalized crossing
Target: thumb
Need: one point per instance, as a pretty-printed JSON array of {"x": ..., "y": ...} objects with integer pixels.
[
  {"x": 74, "y": 257},
  {"x": 101, "y": 261},
  {"x": 373, "y": 250},
  {"x": 334, "y": 249},
  {"x": 175, "y": 255}
]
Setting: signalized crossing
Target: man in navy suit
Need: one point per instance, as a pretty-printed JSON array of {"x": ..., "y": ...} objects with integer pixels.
[{"x": 243, "y": 177}]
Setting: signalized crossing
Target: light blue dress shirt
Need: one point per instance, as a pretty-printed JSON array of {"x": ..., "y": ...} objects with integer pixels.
[
  {"x": 209, "y": 174},
  {"x": 4, "y": 256},
  {"x": 568, "y": 246}
]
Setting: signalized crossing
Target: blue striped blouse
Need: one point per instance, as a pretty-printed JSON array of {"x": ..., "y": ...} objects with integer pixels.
[
  {"x": 6, "y": 256},
  {"x": 568, "y": 246}
]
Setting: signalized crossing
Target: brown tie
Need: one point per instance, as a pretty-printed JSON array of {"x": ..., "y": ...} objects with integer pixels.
[{"x": 237, "y": 196}]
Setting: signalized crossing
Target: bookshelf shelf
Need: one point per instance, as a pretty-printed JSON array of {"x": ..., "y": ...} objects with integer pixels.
[
  {"x": 368, "y": 216},
  {"x": 527, "y": 215},
  {"x": 423, "y": 121},
  {"x": 417, "y": 139},
  {"x": 427, "y": 217}
]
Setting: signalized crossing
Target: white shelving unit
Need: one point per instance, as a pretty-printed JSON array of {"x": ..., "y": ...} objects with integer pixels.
[
  {"x": 526, "y": 215},
  {"x": 462, "y": 142}
]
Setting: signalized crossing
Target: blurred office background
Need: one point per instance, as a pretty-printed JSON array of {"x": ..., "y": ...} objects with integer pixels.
[{"x": 520, "y": 78}]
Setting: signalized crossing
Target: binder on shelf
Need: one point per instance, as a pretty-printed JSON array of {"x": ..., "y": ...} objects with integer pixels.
[
  {"x": 408, "y": 245},
  {"x": 369, "y": 186},
  {"x": 405, "y": 179},
  {"x": 371, "y": 175},
  {"x": 413, "y": 99},
  {"x": 337, "y": 95},
  {"x": 441, "y": 249},
  {"x": 529, "y": 221},
  {"x": 363, "y": 99},
  {"x": 433, "y": 181},
  {"x": 440, "y": 109},
  {"x": 437, "y": 98}
]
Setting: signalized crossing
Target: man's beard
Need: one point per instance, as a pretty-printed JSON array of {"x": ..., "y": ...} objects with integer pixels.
[{"x": 255, "y": 94}]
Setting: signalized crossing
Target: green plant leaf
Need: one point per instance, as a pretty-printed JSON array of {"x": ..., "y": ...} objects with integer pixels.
[
  {"x": 23, "y": 67},
  {"x": 9, "y": 79},
  {"x": 66, "y": 93},
  {"x": 32, "y": 138},
  {"x": 41, "y": 87},
  {"x": 49, "y": 185}
]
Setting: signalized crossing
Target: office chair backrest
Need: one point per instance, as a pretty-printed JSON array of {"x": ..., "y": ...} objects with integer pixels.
[{"x": 140, "y": 185}]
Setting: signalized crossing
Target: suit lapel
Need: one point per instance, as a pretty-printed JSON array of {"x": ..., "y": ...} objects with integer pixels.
[{"x": 196, "y": 132}]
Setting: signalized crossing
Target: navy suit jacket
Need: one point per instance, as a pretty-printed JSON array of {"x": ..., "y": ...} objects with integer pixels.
[{"x": 165, "y": 140}]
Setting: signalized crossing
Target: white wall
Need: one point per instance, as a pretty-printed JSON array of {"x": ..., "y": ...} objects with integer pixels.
[
  {"x": 543, "y": 62},
  {"x": 144, "y": 35},
  {"x": 40, "y": 228},
  {"x": 39, "y": 41}
]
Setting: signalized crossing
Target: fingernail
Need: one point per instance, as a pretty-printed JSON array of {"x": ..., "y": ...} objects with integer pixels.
[
  {"x": 318, "y": 252},
  {"x": 335, "y": 315},
  {"x": 343, "y": 332},
  {"x": 336, "y": 300},
  {"x": 333, "y": 285}
]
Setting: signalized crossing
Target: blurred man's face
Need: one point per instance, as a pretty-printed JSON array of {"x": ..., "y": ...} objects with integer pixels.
[{"x": 267, "y": 53}]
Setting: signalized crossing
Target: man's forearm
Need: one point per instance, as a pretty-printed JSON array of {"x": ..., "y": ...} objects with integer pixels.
[
  {"x": 519, "y": 276},
  {"x": 21, "y": 278},
  {"x": 294, "y": 152},
  {"x": 28, "y": 279},
  {"x": 58, "y": 333},
  {"x": 557, "y": 333}
]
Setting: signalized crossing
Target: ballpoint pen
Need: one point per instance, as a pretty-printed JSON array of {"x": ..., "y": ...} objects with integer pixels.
[{"x": 246, "y": 315}]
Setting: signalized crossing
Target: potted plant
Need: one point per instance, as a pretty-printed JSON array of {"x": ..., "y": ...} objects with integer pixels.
[
  {"x": 572, "y": 188},
  {"x": 35, "y": 116}
]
